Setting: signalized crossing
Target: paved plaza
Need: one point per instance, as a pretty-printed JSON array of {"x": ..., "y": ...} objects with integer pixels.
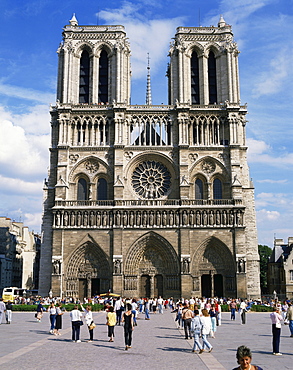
[{"x": 157, "y": 344}]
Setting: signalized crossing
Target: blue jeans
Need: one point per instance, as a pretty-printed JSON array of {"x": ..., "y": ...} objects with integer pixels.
[
  {"x": 205, "y": 342},
  {"x": 214, "y": 324},
  {"x": 160, "y": 308},
  {"x": 291, "y": 326},
  {"x": 147, "y": 314},
  {"x": 196, "y": 341},
  {"x": 134, "y": 316},
  {"x": 233, "y": 311},
  {"x": 52, "y": 321}
]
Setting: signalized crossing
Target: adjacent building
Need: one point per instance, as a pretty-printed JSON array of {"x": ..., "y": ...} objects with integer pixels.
[
  {"x": 280, "y": 269},
  {"x": 149, "y": 200},
  {"x": 19, "y": 255}
]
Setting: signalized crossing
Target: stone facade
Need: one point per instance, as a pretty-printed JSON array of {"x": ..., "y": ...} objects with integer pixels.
[
  {"x": 19, "y": 255},
  {"x": 149, "y": 200},
  {"x": 280, "y": 269}
]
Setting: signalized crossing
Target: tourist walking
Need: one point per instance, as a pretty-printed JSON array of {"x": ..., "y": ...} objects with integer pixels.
[
  {"x": 196, "y": 326},
  {"x": 213, "y": 316},
  {"x": 40, "y": 310},
  {"x": 111, "y": 322},
  {"x": 127, "y": 319},
  {"x": 119, "y": 308},
  {"x": 8, "y": 312},
  {"x": 233, "y": 306},
  {"x": 206, "y": 328},
  {"x": 244, "y": 356},
  {"x": 53, "y": 314},
  {"x": 147, "y": 309},
  {"x": 276, "y": 319},
  {"x": 242, "y": 311},
  {"x": 88, "y": 316},
  {"x": 58, "y": 321},
  {"x": 76, "y": 322},
  {"x": 187, "y": 315},
  {"x": 2, "y": 310},
  {"x": 289, "y": 317}
]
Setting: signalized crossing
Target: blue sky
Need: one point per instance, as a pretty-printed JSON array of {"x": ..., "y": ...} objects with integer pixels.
[{"x": 31, "y": 32}]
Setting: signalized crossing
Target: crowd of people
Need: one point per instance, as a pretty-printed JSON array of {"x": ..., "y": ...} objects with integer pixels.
[{"x": 198, "y": 317}]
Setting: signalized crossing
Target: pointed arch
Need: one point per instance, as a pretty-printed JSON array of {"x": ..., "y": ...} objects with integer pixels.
[
  {"x": 157, "y": 252},
  {"x": 84, "y": 77},
  {"x": 103, "y": 93},
  {"x": 194, "y": 71},
  {"x": 87, "y": 264}
]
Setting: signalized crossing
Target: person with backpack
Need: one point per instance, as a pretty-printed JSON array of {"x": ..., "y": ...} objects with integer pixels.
[{"x": 196, "y": 326}]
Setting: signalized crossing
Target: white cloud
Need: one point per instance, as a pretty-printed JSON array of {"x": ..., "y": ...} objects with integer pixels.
[
  {"x": 19, "y": 187},
  {"x": 146, "y": 36},
  {"x": 270, "y": 181},
  {"x": 283, "y": 201},
  {"x": 265, "y": 215},
  {"x": 257, "y": 153},
  {"x": 27, "y": 94},
  {"x": 33, "y": 219},
  {"x": 22, "y": 155},
  {"x": 272, "y": 79}
]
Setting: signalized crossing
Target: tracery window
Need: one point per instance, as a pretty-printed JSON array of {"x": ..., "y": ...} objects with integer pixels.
[
  {"x": 82, "y": 189},
  {"x": 84, "y": 78},
  {"x": 102, "y": 189},
  {"x": 194, "y": 79},
  {"x": 212, "y": 78},
  {"x": 198, "y": 189},
  {"x": 151, "y": 179},
  {"x": 103, "y": 77},
  {"x": 217, "y": 189}
]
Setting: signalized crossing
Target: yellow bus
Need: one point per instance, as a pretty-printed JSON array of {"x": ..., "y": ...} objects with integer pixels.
[{"x": 12, "y": 293}]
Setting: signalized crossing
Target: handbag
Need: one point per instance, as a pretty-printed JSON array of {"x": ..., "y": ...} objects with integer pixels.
[
  {"x": 92, "y": 325},
  {"x": 278, "y": 325}
]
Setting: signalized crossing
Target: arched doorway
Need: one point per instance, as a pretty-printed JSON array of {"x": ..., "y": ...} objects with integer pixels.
[
  {"x": 159, "y": 286},
  {"x": 151, "y": 268},
  {"x": 88, "y": 272},
  {"x": 213, "y": 266},
  {"x": 145, "y": 286}
]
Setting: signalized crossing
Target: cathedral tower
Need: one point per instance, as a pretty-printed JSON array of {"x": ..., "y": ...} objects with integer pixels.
[{"x": 149, "y": 200}]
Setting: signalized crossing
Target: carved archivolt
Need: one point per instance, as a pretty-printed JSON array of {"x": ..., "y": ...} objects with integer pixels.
[
  {"x": 88, "y": 259},
  {"x": 213, "y": 255},
  {"x": 151, "y": 254}
]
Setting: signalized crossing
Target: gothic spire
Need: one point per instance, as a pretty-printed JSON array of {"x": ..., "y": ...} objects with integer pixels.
[{"x": 148, "y": 91}]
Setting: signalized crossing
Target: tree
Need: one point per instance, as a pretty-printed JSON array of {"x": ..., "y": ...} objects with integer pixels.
[{"x": 264, "y": 255}]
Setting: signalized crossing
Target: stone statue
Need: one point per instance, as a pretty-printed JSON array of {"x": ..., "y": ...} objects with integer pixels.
[
  {"x": 65, "y": 219},
  {"x": 56, "y": 267},
  {"x": 241, "y": 265},
  {"x": 117, "y": 267}
]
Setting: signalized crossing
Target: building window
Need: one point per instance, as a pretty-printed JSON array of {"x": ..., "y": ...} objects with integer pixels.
[
  {"x": 217, "y": 189},
  {"x": 194, "y": 79},
  {"x": 291, "y": 275},
  {"x": 84, "y": 78},
  {"x": 102, "y": 193},
  {"x": 212, "y": 77},
  {"x": 103, "y": 77},
  {"x": 198, "y": 189},
  {"x": 82, "y": 190}
]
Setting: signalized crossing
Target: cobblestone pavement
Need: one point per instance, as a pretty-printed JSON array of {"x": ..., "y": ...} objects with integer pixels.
[{"x": 157, "y": 344}]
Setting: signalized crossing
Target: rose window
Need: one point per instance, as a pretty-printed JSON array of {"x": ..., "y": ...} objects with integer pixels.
[{"x": 151, "y": 180}]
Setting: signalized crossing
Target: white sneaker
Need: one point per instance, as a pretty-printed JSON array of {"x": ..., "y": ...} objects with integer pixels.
[
  {"x": 78, "y": 341},
  {"x": 278, "y": 354}
]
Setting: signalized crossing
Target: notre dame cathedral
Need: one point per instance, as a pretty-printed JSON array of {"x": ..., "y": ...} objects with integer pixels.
[{"x": 149, "y": 200}]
